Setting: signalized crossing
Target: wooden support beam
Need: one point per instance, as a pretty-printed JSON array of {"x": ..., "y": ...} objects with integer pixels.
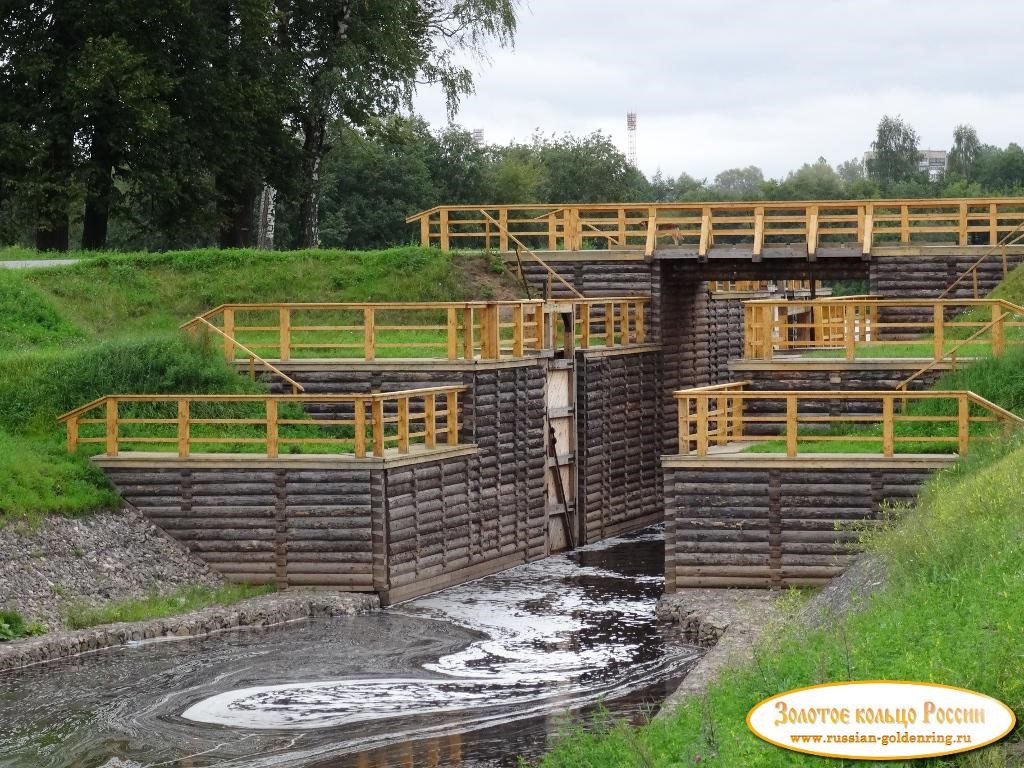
[
  {"x": 652, "y": 231},
  {"x": 792, "y": 425},
  {"x": 377, "y": 425},
  {"x": 758, "y": 232},
  {"x": 705, "y": 233},
  {"x": 453, "y": 333},
  {"x": 812, "y": 230},
  {"x": 184, "y": 429},
  {"x": 359, "y": 419},
  {"x": 112, "y": 426},
  {"x": 284, "y": 340},
  {"x": 963, "y": 223},
  {"x": 272, "y": 428},
  {"x": 403, "y": 424},
  {"x": 229, "y": 333},
  {"x": 430, "y": 421},
  {"x": 369, "y": 333},
  {"x": 869, "y": 232},
  {"x": 963, "y": 424},
  {"x": 888, "y": 426},
  {"x": 452, "y": 418}
]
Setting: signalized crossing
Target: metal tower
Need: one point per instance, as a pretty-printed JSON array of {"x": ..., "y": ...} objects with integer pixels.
[{"x": 631, "y": 134}]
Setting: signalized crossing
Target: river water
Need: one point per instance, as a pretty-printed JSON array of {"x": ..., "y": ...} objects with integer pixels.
[{"x": 473, "y": 676}]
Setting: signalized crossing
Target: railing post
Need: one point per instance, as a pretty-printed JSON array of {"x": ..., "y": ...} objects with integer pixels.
[
  {"x": 430, "y": 420},
  {"x": 624, "y": 322},
  {"x": 184, "y": 429},
  {"x": 72, "y": 438},
  {"x": 683, "y": 424},
  {"x": 888, "y": 426},
  {"x": 904, "y": 223},
  {"x": 453, "y": 333},
  {"x": 272, "y": 428},
  {"x": 609, "y": 325},
  {"x": 849, "y": 324},
  {"x": 993, "y": 224},
  {"x": 737, "y": 417},
  {"x": 748, "y": 331},
  {"x": 425, "y": 230},
  {"x": 758, "y": 231},
  {"x": 468, "y": 333},
  {"x": 641, "y": 328},
  {"x": 539, "y": 326},
  {"x": 112, "y": 426},
  {"x": 229, "y": 333},
  {"x": 553, "y": 231},
  {"x": 518, "y": 321},
  {"x": 403, "y": 425},
  {"x": 963, "y": 224},
  {"x": 998, "y": 338},
  {"x": 963, "y": 424},
  {"x": 812, "y": 230},
  {"x": 702, "y": 425},
  {"x": 452, "y": 417},
  {"x": 378, "y": 427},
  {"x": 444, "y": 243},
  {"x": 791, "y": 425},
  {"x": 370, "y": 332},
  {"x": 285, "y": 334},
  {"x": 503, "y": 229},
  {"x": 938, "y": 330},
  {"x": 974, "y": 280},
  {"x": 869, "y": 231},
  {"x": 767, "y": 334},
  {"x": 359, "y": 419}
]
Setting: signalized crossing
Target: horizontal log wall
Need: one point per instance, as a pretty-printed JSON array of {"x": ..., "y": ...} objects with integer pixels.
[
  {"x": 755, "y": 526},
  {"x": 450, "y": 522},
  {"x": 618, "y": 441},
  {"x": 726, "y": 322},
  {"x": 260, "y": 525},
  {"x": 819, "y": 376},
  {"x": 591, "y": 278},
  {"x": 927, "y": 277}
]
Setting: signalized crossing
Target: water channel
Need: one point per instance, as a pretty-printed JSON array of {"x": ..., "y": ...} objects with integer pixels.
[{"x": 473, "y": 676}]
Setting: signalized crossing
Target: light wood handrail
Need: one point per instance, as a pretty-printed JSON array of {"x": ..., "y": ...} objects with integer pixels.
[
  {"x": 760, "y": 222},
  {"x": 855, "y": 324},
  {"x": 552, "y": 272},
  {"x": 1017, "y": 233},
  {"x": 709, "y": 417},
  {"x": 296, "y": 387},
  {"x": 368, "y": 412}
]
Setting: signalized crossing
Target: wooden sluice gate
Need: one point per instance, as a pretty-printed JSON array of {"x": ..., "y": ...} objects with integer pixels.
[{"x": 557, "y": 420}]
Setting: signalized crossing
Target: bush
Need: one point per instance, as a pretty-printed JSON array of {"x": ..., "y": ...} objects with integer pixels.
[{"x": 13, "y": 626}]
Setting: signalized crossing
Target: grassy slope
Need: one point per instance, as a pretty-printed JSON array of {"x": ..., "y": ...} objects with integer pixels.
[
  {"x": 109, "y": 324},
  {"x": 183, "y": 600},
  {"x": 952, "y": 612}
]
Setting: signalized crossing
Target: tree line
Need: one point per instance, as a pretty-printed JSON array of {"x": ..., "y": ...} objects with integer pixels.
[
  {"x": 287, "y": 123},
  {"x": 177, "y": 115}
]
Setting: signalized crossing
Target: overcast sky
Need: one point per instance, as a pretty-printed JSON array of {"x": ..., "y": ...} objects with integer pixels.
[{"x": 723, "y": 83}]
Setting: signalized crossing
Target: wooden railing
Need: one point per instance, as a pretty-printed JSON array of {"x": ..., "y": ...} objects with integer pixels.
[
  {"x": 446, "y": 330},
  {"x": 453, "y": 330},
  {"x": 357, "y": 425},
  {"x": 1011, "y": 238},
  {"x": 728, "y": 414},
  {"x": 642, "y": 226},
  {"x": 866, "y": 326},
  {"x": 757, "y": 286},
  {"x": 608, "y": 322}
]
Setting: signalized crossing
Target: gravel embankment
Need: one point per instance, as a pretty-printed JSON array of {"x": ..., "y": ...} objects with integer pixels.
[{"x": 97, "y": 559}]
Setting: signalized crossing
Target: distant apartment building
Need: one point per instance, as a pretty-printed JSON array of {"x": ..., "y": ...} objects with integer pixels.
[{"x": 931, "y": 160}]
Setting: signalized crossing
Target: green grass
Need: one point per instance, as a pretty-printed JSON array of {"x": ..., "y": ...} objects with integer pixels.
[
  {"x": 952, "y": 612},
  {"x": 184, "y": 600},
  {"x": 918, "y": 350},
  {"x": 110, "y": 325},
  {"x": 13, "y": 626}
]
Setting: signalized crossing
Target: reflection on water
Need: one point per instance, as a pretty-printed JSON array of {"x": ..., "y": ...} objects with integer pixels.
[{"x": 472, "y": 676}]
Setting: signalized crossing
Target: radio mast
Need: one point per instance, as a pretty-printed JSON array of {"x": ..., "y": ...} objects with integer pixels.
[{"x": 631, "y": 134}]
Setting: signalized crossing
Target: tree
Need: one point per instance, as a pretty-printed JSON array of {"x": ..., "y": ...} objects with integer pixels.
[
  {"x": 965, "y": 151},
  {"x": 895, "y": 153},
  {"x": 739, "y": 183},
  {"x": 356, "y": 60},
  {"x": 812, "y": 181},
  {"x": 851, "y": 171},
  {"x": 588, "y": 168}
]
